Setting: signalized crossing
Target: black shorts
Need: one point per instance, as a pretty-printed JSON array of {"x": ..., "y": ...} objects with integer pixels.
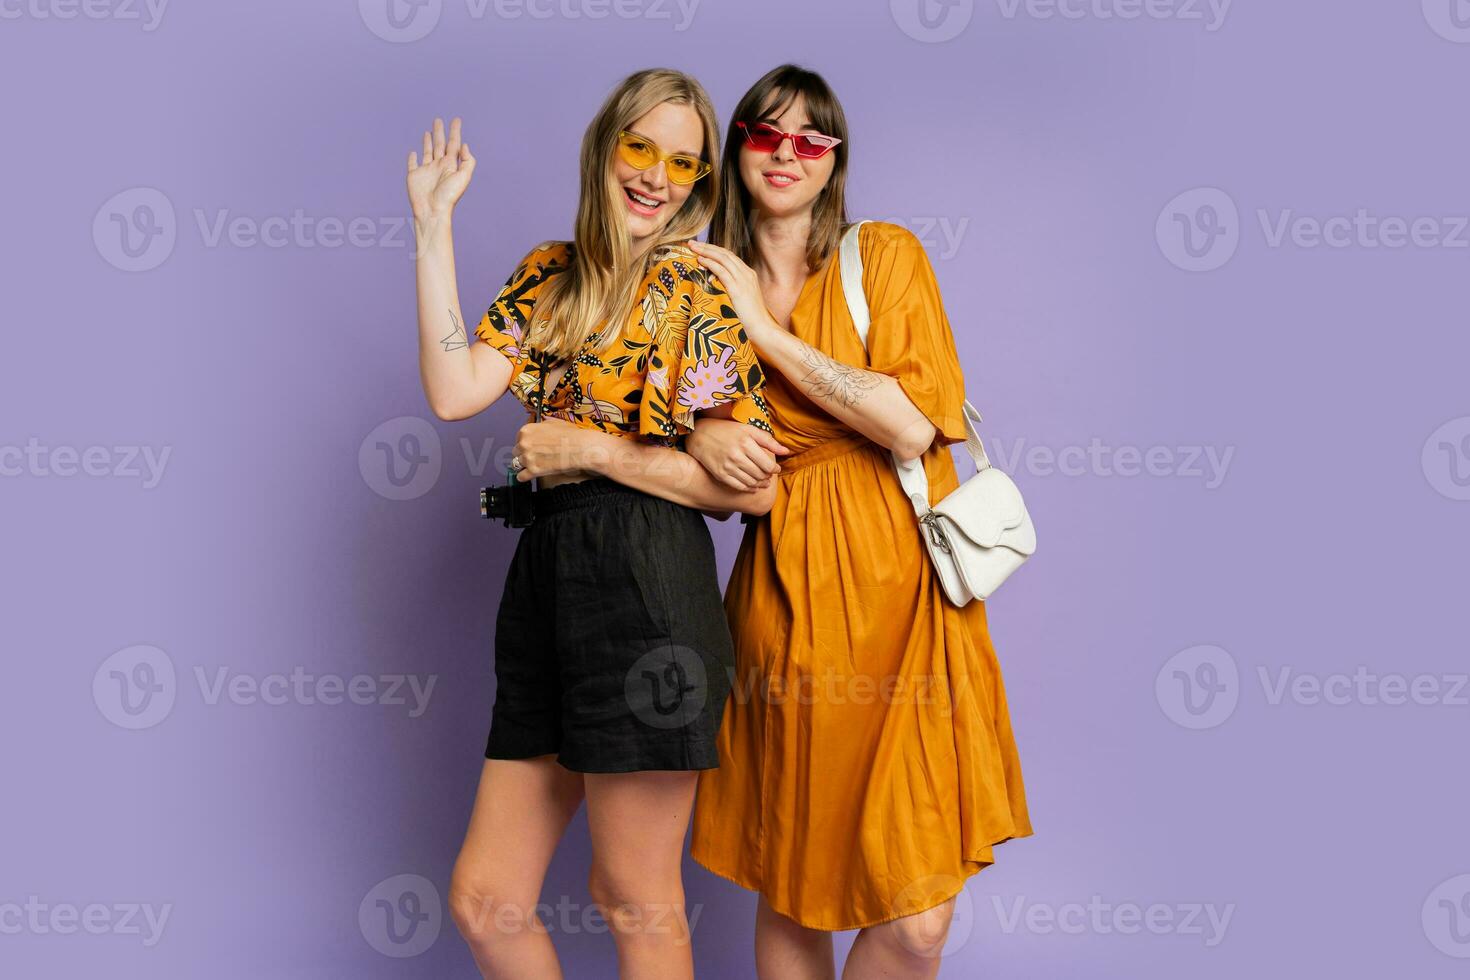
[{"x": 612, "y": 651}]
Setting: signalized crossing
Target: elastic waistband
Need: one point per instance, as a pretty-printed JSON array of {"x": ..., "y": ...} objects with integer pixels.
[
  {"x": 565, "y": 496},
  {"x": 826, "y": 451}
]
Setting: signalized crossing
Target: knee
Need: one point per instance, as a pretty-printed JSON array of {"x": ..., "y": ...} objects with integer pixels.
[
  {"x": 485, "y": 912},
  {"x": 922, "y": 934},
  {"x": 635, "y": 901}
]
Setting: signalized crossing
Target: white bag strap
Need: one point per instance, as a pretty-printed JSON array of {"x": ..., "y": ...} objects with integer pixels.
[{"x": 911, "y": 475}]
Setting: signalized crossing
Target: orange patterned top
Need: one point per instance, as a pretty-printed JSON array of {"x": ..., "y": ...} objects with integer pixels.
[{"x": 682, "y": 349}]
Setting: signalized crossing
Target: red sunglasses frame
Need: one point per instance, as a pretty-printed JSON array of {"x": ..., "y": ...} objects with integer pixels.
[{"x": 782, "y": 137}]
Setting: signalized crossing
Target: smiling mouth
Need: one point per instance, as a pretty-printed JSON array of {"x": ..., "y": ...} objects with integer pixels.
[
  {"x": 642, "y": 203},
  {"x": 780, "y": 179}
]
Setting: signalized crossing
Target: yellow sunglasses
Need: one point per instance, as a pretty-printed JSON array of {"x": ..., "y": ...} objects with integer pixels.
[{"x": 641, "y": 153}]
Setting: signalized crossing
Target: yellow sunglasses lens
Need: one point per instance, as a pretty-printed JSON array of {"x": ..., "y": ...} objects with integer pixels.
[{"x": 638, "y": 153}]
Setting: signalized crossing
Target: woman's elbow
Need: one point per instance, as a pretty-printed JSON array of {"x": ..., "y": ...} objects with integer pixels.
[
  {"x": 446, "y": 410},
  {"x": 915, "y": 440},
  {"x": 758, "y": 503}
]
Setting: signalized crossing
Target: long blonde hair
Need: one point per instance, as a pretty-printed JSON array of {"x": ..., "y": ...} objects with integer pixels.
[{"x": 600, "y": 285}]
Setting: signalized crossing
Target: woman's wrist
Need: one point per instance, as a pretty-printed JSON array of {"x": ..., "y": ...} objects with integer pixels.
[
  {"x": 432, "y": 230},
  {"x": 594, "y": 453},
  {"x": 758, "y": 328}
]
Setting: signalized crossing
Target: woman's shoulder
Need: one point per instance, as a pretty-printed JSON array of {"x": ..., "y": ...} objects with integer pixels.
[
  {"x": 876, "y": 236},
  {"x": 549, "y": 253},
  {"x": 676, "y": 269}
]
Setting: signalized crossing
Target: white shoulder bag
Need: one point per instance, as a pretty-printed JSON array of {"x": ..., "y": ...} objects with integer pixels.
[{"x": 980, "y": 533}]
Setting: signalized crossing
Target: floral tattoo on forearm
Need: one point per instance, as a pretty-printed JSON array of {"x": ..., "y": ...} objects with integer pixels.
[
  {"x": 456, "y": 339},
  {"x": 834, "y": 381}
]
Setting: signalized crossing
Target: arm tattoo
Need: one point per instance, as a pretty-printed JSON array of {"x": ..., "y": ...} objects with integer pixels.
[
  {"x": 456, "y": 338},
  {"x": 833, "y": 380}
]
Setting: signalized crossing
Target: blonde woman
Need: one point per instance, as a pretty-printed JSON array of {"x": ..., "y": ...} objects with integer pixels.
[
  {"x": 612, "y": 651},
  {"x": 867, "y": 765}
]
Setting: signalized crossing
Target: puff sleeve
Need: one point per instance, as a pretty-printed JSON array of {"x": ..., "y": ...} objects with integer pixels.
[
  {"x": 700, "y": 357},
  {"x": 506, "y": 323},
  {"x": 909, "y": 337}
]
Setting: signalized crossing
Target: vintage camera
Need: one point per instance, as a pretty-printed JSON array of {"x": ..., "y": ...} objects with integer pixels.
[{"x": 512, "y": 502}]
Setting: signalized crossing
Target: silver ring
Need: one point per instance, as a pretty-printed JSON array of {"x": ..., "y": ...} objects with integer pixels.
[{"x": 516, "y": 465}]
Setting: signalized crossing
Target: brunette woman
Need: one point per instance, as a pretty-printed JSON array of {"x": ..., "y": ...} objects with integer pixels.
[{"x": 867, "y": 766}]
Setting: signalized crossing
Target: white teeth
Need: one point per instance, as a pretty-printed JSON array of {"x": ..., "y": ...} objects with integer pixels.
[{"x": 645, "y": 201}]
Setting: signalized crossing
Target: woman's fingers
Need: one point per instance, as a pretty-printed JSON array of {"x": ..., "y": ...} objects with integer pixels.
[
  {"x": 736, "y": 481},
  {"x": 438, "y": 137},
  {"x": 750, "y": 472},
  {"x": 454, "y": 141},
  {"x": 769, "y": 442},
  {"x": 428, "y": 148},
  {"x": 413, "y": 161}
]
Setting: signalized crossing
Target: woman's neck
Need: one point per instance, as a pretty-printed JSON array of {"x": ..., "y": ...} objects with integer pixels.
[{"x": 780, "y": 245}]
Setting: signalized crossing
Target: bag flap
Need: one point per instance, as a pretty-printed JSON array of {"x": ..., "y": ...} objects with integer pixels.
[{"x": 988, "y": 507}]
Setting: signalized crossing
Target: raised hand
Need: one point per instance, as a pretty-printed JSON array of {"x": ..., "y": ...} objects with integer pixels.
[{"x": 436, "y": 184}]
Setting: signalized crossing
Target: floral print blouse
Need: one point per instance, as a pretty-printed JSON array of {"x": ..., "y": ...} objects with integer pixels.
[{"x": 682, "y": 349}]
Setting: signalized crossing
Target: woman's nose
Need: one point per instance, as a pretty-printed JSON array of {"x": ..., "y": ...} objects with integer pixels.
[
  {"x": 657, "y": 175},
  {"x": 784, "y": 151}
]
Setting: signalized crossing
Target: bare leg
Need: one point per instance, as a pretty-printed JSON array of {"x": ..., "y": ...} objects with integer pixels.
[
  {"x": 787, "y": 951},
  {"x": 903, "y": 949},
  {"x": 638, "y": 821},
  {"x": 521, "y": 810}
]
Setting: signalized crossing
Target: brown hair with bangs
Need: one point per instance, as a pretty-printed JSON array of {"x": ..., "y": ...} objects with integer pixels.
[{"x": 734, "y": 219}]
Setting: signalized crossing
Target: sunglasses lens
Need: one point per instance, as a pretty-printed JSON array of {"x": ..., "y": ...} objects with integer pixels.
[
  {"x": 684, "y": 170},
  {"x": 762, "y": 137},
  {"x": 807, "y": 145},
  {"x": 637, "y": 152}
]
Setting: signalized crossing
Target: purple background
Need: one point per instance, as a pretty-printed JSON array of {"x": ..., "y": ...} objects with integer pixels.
[{"x": 1335, "y": 541}]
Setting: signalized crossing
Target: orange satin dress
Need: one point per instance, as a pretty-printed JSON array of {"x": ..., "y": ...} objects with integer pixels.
[{"x": 867, "y": 765}]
